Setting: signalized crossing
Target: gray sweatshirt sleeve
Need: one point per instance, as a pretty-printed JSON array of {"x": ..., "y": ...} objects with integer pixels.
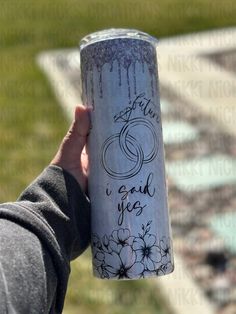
[{"x": 40, "y": 233}]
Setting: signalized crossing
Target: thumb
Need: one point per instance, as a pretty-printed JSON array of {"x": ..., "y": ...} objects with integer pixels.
[
  {"x": 82, "y": 120},
  {"x": 68, "y": 156},
  {"x": 76, "y": 136}
]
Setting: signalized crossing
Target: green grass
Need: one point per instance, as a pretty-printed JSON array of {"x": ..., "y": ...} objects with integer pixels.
[{"x": 32, "y": 123}]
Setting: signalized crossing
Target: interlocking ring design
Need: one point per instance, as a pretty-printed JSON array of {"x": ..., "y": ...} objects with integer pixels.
[{"x": 131, "y": 148}]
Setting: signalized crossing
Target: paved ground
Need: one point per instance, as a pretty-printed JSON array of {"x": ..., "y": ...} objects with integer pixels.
[
  {"x": 198, "y": 102},
  {"x": 202, "y": 199}
]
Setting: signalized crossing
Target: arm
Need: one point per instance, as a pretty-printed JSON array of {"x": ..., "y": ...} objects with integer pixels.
[{"x": 40, "y": 233}]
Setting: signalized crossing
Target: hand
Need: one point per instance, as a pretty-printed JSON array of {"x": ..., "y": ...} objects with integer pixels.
[{"x": 72, "y": 155}]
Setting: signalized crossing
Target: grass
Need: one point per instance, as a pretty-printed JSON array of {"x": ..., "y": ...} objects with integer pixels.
[{"x": 32, "y": 124}]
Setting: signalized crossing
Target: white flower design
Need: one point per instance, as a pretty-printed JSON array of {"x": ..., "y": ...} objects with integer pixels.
[
  {"x": 123, "y": 265},
  {"x": 119, "y": 239},
  {"x": 147, "y": 252},
  {"x": 165, "y": 250}
]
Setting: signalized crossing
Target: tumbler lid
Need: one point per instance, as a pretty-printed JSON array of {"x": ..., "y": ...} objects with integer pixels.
[{"x": 113, "y": 33}]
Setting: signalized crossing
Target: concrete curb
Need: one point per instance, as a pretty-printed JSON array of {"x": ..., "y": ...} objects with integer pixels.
[
  {"x": 209, "y": 87},
  {"x": 67, "y": 96}
]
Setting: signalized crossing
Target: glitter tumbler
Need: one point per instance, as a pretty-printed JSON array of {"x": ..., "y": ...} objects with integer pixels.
[{"x": 131, "y": 236}]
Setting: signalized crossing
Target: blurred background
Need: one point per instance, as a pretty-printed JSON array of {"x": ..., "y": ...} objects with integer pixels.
[{"x": 32, "y": 123}]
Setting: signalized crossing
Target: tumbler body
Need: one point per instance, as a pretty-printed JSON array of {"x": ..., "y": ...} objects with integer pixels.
[{"x": 131, "y": 236}]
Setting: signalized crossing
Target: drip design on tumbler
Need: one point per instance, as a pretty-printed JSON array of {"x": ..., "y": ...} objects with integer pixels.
[
  {"x": 125, "y": 256},
  {"x": 125, "y": 53}
]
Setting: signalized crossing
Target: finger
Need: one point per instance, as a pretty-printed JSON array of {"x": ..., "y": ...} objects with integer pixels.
[{"x": 82, "y": 120}]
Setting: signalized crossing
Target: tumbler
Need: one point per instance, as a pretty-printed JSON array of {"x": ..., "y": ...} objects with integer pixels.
[{"x": 130, "y": 228}]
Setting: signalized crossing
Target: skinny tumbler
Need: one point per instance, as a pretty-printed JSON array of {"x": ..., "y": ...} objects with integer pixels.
[{"x": 131, "y": 236}]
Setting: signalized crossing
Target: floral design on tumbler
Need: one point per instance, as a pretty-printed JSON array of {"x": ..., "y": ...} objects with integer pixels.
[{"x": 124, "y": 256}]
